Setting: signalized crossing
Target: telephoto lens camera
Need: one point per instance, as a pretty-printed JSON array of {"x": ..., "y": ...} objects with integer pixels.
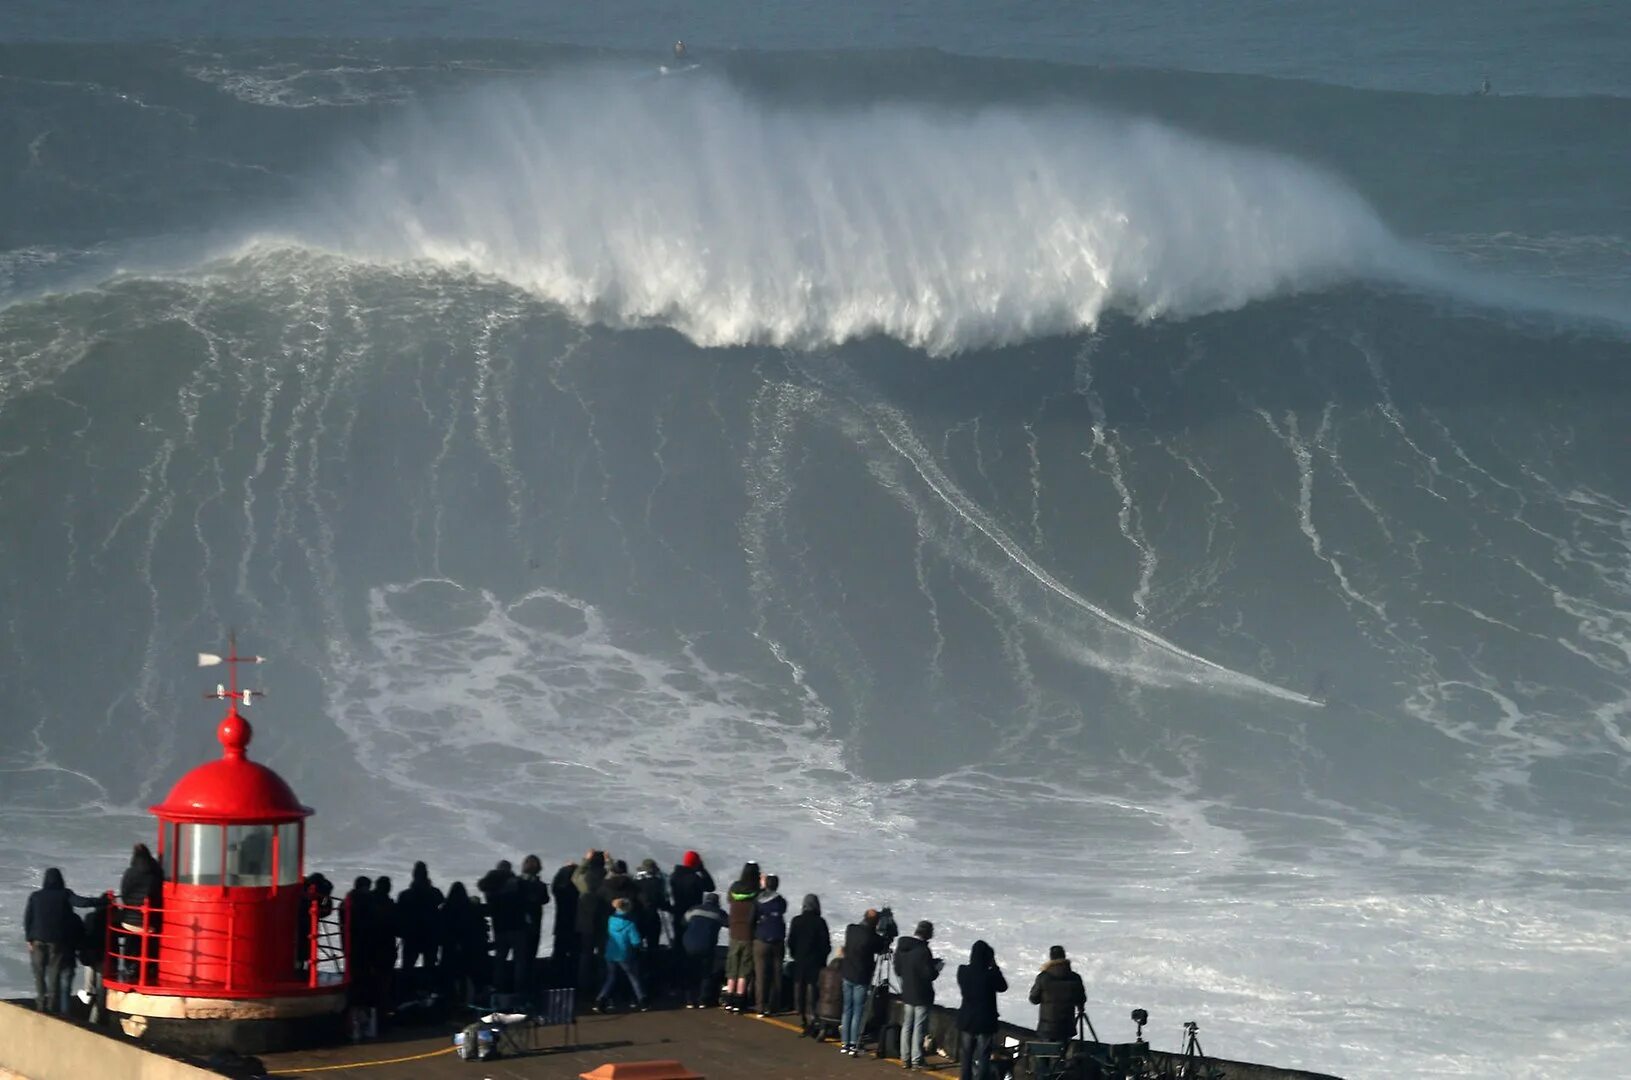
[{"x": 886, "y": 922}]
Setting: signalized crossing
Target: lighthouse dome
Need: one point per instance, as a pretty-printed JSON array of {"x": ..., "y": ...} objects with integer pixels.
[{"x": 232, "y": 788}]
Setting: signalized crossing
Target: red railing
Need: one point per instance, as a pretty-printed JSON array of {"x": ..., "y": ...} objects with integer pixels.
[{"x": 320, "y": 961}]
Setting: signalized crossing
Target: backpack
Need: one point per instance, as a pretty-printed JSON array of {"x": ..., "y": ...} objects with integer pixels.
[{"x": 475, "y": 1043}]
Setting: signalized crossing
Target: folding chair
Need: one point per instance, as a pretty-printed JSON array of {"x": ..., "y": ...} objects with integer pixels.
[{"x": 517, "y": 1033}]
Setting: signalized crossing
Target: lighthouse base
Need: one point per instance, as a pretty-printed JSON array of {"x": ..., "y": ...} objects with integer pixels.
[{"x": 199, "y": 1024}]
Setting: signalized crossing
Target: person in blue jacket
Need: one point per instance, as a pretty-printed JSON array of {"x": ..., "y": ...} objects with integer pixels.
[
  {"x": 703, "y": 924},
  {"x": 623, "y": 944}
]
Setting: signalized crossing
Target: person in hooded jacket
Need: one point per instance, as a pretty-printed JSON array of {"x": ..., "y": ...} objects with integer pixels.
[
  {"x": 769, "y": 945},
  {"x": 1061, "y": 996},
  {"x": 141, "y": 883},
  {"x": 622, "y": 955},
  {"x": 651, "y": 888},
  {"x": 463, "y": 940},
  {"x": 591, "y": 873},
  {"x": 809, "y": 943},
  {"x": 687, "y": 885},
  {"x": 357, "y": 915},
  {"x": 501, "y": 890},
  {"x": 829, "y": 1008},
  {"x": 416, "y": 925},
  {"x": 534, "y": 898},
  {"x": 563, "y": 958},
  {"x": 703, "y": 925},
  {"x": 619, "y": 885},
  {"x": 354, "y": 910},
  {"x": 739, "y": 958},
  {"x": 864, "y": 942},
  {"x": 918, "y": 969},
  {"x": 651, "y": 901},
  {"x": 53, "y": 933},
  {"x": 980, "y": 980},
  {"x": 594, "y": 911},
  {"x": 384, "y": 939},
  {"x": 317, "y": 892}
]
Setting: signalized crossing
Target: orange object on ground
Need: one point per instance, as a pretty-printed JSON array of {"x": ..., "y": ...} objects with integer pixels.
[{"x": 642, "y": 1070}]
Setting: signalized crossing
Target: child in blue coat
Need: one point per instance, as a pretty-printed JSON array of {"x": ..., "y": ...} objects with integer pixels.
[{"x": 623, "y": 944}]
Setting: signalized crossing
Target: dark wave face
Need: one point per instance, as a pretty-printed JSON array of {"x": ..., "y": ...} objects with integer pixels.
[{"x": 1183, "y": 517}]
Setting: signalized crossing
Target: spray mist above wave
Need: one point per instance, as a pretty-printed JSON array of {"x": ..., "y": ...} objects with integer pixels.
[{"x": 682, "y": 202}]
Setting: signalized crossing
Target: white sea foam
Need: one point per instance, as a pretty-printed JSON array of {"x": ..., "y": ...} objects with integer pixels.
[{"x": 736, "y": 221}]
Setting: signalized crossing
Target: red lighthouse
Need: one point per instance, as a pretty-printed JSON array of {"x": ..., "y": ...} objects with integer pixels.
[{"x": 237, "y": 955}]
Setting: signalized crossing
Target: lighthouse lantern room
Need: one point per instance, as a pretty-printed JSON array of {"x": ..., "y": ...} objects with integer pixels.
[{"x": 237, "y": 953}]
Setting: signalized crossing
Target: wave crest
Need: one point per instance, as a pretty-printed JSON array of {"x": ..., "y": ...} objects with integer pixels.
[{"x": 683, "y": 202}]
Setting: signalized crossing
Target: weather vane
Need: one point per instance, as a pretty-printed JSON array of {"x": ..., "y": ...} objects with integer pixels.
[{"x": 230, "y": 692}]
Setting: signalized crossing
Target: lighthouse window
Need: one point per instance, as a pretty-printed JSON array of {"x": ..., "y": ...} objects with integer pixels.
[
  {"x": 249, "y": 855},
  {"x": 288, "y": 853},
  {"x": 198, "y": 855}
]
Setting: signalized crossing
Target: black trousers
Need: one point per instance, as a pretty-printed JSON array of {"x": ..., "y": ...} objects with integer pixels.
[
  {"x": 526, "y": 963},
  {"x": 805, "y": 991},
  {"x": 412, "y": 949},
  {"x": 767, "y": 974},
  {"x": 508, "y": 946},
  {"x": 588, "y": 964},
  {"x": 699, "y": 977},
  {"x": 51, "y": 962},
  {"x": 975, "y": 1059},
  {"x": 563, "y": 959}
]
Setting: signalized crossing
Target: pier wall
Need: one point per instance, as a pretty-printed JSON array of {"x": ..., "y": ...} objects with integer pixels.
[{"x": 34, "y": 1046}]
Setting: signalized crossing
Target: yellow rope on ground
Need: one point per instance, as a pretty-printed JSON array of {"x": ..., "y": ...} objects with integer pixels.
[{"x": 366, "y": 1064}]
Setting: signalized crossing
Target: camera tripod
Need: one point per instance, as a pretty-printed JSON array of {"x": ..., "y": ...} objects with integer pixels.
[
  {"x": 1194, "y": 1063},
  {"x": 878, "y": 988},
  {"x": 1084, "y": 1021}
]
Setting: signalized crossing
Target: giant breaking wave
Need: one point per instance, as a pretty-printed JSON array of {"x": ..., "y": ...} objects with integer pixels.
[{"x": 685, "y": 203}]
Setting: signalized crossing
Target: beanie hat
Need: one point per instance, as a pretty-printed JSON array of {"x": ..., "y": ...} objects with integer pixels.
[
  {"x": 692, "y": 860},
  {"x": 1056, "y": 953}
]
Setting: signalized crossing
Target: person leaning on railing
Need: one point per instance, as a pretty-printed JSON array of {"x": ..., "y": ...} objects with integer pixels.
[
  {"x": 53, "y": 931},
  {"x": 141, "y": 883}
]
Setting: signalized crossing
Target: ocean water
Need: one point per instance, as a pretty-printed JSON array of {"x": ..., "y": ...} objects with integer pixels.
[{"x": 1144, "y": 477}]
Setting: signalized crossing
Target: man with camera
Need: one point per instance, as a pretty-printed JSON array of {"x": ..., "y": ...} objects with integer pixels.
[
  {"x": 1061, "y": 995},
  {"x": 918, "y": 968},
  {"x": 864, "y": 942}
]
